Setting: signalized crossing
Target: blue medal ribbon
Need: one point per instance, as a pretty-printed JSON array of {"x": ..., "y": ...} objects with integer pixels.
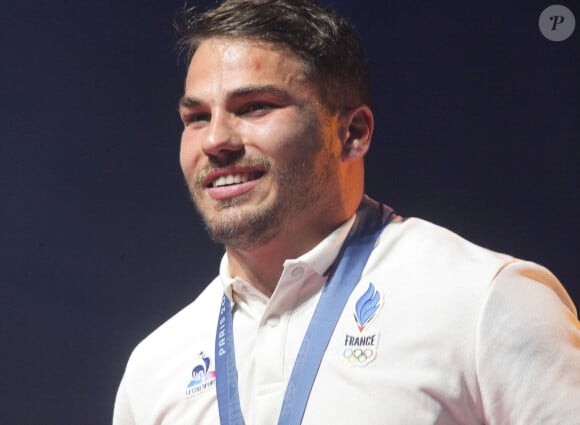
[{"x": 344, "y": 276}]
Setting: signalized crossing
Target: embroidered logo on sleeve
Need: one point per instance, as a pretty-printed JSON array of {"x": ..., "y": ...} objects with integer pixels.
[
  {"x": 202, "y": 377},
  {"x": 360, "y": 348}
]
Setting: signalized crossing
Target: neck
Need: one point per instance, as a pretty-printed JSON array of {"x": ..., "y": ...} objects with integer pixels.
[{"x": 262, "y": 266}]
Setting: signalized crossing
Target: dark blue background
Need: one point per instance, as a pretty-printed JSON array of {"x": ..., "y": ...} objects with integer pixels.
[{"x": 478, "y": 127}]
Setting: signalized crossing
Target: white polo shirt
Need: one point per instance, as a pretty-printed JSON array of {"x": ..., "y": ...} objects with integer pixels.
[{"x": 461, "y": 335}]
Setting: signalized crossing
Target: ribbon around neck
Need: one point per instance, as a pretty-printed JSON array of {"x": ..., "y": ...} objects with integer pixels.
[{"x": 345, "y": 273}]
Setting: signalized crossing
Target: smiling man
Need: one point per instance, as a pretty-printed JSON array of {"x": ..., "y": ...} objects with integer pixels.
[
  {"x": 271, "y": 168},
  {"x": 328, "y": 307}
]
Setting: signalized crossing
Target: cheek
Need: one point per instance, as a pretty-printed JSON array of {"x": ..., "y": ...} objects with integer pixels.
[
  {"x": 188, "y": 157},
  {"x": 283, "y": 139}
]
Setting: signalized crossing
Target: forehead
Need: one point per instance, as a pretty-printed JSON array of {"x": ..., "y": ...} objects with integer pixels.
[{"x": 222, "y": 62}]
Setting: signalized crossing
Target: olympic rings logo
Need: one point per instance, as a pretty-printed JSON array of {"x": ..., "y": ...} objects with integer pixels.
[{"x": 358, "y": 355}]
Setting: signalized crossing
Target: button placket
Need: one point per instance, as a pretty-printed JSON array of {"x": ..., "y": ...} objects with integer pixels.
[
  {"x": 273, "y": 320},
  {"x": 269, "y": 367},
  {"x": 270, "y": 350},
  {"x": 297, "y": 272}
]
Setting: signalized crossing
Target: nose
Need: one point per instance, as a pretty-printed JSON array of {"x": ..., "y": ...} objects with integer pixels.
[{"x": 222, "y": 140}]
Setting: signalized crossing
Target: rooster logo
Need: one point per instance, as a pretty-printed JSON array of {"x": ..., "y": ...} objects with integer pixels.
[{"x": 200, "y": 372}]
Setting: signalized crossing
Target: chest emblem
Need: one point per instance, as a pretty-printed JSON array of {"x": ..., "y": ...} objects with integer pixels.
[
  {"x": 360, "y": 348},
  {"x": 366, "y": 307},
  {"x": 202, "y": 377}
]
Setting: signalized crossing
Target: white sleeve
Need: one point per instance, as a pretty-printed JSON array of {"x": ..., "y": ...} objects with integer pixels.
[
  {"x": 122, "y": 411},
  {"x": 528, "y": 350}
]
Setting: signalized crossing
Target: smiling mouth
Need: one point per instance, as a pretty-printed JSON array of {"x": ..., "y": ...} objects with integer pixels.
[{"x": 233, "y": 179}]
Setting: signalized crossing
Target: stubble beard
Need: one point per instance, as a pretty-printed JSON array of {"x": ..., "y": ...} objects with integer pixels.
[{"x": 300, "y": 185}]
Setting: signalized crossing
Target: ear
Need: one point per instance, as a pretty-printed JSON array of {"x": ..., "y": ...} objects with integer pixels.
[{"x": 358, "y": 123}]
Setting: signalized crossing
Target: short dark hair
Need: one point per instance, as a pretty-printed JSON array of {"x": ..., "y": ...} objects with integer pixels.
[{"x": 327, "y": 43}]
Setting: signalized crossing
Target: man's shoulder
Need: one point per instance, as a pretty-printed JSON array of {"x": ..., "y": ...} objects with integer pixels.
[
  {"x": 422, "y": 247},
  {"x": 160, "y": 367},
  {"x": 195, "y": 322},
  {"x": 424, "y": 241},
  {"x": 429, "y": 257}
]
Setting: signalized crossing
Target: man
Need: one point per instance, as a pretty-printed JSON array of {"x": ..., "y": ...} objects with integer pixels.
[{"x": 329, "y": 308}]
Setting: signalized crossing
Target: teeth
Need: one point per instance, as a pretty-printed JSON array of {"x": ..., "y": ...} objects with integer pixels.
[{"x": 230, "y": 179}]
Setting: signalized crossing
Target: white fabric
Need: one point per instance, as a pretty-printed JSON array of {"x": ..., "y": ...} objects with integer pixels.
[{"x": 463, "y": 336}]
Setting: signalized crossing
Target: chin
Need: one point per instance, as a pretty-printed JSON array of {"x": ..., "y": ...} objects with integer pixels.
[{"x": 245, "y": 226}]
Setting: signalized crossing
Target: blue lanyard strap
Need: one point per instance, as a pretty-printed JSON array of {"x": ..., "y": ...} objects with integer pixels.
[
  {"x": 344, "y": 276},
  {"x": 227, "y": 386}
]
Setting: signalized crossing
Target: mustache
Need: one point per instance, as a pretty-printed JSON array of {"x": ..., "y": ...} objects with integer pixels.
[{"x": 261, "y": 163}]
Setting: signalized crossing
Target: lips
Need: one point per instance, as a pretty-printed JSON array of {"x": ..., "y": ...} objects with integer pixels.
[
  {"x": 238, "y": 178},
  {"x": 229, "y": 183}
]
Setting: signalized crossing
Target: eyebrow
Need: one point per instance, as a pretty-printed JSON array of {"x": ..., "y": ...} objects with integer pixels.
[
  {"x": 260, "y": 89},
  {"x": 187, "y": 102},
  {"x": 191, "y": 101}
]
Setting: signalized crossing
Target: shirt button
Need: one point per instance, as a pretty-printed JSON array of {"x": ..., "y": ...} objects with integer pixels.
[
  {"x": 298, "y": 272},
  {"x": 273, "y": 321}
]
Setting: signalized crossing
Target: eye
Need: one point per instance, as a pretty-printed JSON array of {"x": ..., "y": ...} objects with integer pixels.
[
  {"x": 195, "y": 118},
  {"x": 256, "y": 108}
]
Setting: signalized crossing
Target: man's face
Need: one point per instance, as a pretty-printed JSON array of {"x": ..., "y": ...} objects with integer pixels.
[{"x": 258, "y": 150}]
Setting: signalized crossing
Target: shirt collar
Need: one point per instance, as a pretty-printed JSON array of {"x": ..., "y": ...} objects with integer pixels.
[{"x": 319, "y": 258}]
